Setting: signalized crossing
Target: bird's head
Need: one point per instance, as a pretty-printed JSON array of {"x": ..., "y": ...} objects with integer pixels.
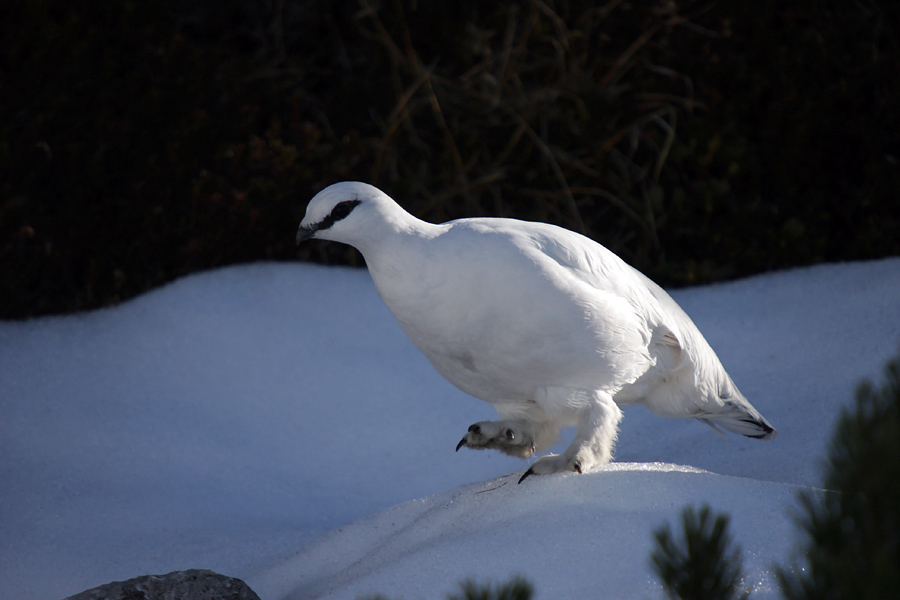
[
  {"x": 352, "y": 213},
  {"x": 328, "y": 213}
]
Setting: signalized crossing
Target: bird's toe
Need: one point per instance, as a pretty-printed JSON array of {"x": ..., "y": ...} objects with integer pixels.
[
  {"x": 552, "y": 463},
  {"x": 510, "y": 437}
]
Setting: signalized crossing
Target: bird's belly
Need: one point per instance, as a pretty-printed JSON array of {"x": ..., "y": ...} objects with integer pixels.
[{"x": 518, "y": 365}]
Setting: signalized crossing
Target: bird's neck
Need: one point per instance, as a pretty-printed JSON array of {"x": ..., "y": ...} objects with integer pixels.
[
  {"x": 394, "y": 237},
  {"x": 398, "y": 260}
]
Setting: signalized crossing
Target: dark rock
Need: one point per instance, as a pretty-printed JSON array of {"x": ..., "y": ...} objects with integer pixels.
[{"x": 196, "y": 584}]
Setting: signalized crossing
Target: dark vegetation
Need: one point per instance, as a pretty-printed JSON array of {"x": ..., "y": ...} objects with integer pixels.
[
  {"x": 850, "y": 529},
  {"x": 702, "y": 564},
  {"x": 516, "y": 588},
  {"x": 144, "y": 140}
]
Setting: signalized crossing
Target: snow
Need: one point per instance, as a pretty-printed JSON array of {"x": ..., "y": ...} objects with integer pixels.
[{"x": 272, "y": 422}]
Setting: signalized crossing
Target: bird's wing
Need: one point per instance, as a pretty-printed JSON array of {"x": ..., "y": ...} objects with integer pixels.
[
  {"x": 603, "y": 270},
  {"x": 674, "y": 341}
]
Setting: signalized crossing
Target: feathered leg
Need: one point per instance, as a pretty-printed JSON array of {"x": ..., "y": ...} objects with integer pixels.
[{"x": 592, "y": 447}]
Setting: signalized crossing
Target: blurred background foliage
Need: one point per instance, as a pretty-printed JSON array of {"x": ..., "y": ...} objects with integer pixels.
[{"x": 700, "y": 140}]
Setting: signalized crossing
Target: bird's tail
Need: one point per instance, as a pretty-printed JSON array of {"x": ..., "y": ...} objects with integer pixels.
[{"x": 741, "y": 418}]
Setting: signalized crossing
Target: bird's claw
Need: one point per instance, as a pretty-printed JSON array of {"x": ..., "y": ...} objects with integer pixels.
[
  {"x": 552, "y": 463},
  {"x": 510, "y": 437}
]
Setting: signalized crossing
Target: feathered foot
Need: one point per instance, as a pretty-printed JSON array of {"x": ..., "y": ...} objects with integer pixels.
[
  {"x": 513, "y": 437},
  {"x": 552, "y": 463},
  {"x": 593, "y": 443}
]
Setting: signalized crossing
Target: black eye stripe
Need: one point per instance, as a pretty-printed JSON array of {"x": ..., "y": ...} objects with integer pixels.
[{"x": 340, "y": 211}]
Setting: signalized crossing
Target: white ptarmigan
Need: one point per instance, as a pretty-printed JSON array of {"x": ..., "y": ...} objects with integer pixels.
[{"x": 548, "y": 326}]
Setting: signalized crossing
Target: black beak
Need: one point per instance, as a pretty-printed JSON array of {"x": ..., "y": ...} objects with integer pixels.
[{"x": 305, "y": 233}]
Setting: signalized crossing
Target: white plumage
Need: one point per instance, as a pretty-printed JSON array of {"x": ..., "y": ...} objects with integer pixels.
[{"x": 548, "y": 326}]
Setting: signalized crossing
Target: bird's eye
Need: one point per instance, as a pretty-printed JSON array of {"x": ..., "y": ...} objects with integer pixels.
[
  {"x": 510, "y": 434},
  {"x": 343, "y": 209}
]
